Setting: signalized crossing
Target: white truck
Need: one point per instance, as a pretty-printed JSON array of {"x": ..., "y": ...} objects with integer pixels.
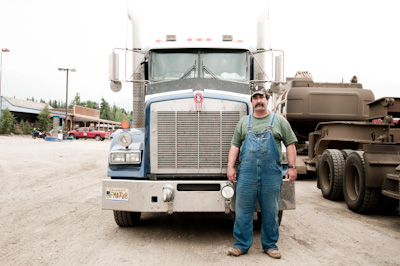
[{"x": 188, "y": 95}]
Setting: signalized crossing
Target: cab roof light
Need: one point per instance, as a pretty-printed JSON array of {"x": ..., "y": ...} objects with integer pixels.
[
  {"x": 208, "y": 39},
  {"x": 199, "y": 39},
  {"x": 227, "y": 38},
  {"x": 170, "y": 38}
]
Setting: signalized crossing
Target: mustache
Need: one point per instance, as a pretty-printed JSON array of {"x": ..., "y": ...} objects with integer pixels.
[{"x": 259, "y": 104}]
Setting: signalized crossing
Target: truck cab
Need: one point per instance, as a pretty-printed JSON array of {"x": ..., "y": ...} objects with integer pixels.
[{"x": 188, "y": 95}]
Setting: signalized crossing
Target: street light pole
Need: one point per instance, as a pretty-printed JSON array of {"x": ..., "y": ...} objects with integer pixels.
[
  {"x": 3, "y": 50},
  {"x": 66, "y": 95}
]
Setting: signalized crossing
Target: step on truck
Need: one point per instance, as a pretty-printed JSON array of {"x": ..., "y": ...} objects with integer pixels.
[
  {"x": 188, "y": 95},
  {"x": 347, "y": 137}
]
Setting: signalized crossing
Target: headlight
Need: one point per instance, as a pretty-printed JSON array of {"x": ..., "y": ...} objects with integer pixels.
[
  {"x": 125, "y": 157},
  {"x": 227, "y": 192}
]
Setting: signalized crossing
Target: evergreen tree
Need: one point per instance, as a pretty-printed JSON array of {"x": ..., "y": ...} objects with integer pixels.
[
  {"x": 76, "y": 101},
  {"x": 7, "y": 122},
  {"x": 105, "y": 110},
  {"x": 93, "y": 105},
  {"x": 44, "y": 119},
  {"x": 25, "y": 127}
]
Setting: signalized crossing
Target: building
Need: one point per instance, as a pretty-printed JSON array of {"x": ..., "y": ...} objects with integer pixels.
[{"x": 77, "y": 117}]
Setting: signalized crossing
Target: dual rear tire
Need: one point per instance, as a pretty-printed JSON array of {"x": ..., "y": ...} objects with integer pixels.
[{"x": 341, "y": 174}]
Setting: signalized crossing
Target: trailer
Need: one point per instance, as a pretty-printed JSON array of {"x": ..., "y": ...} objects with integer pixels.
[{"x": 349, "y": 139}]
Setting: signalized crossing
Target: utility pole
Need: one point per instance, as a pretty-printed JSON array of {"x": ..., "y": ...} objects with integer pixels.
[
  {"x": 66, "y": 96},
  {"x": 3, "y": 50}
]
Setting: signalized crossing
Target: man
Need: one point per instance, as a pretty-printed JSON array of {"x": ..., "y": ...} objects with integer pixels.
[{"x": 258, "y": 137}]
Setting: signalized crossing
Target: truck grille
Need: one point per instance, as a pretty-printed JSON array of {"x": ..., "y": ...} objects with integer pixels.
[
  {"x": 194, "y": 139},
  {"x": 185, "y": 141}
]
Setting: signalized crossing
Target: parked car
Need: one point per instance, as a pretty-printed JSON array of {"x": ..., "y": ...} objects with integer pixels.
[{"x": 89, "y": 133}]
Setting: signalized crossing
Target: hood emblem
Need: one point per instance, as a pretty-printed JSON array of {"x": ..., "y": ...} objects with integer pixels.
[{"x": 198, "y": 99}]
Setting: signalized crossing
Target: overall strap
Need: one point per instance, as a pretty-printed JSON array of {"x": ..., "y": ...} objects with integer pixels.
[
  {"x": 249, "y": 126},
  {"x": 271, "y": 123}
]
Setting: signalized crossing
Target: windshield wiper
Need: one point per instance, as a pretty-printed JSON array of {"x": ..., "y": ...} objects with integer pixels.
[
  {"x": 207, "y": 70},
  {"x": 192, "y": 68}
]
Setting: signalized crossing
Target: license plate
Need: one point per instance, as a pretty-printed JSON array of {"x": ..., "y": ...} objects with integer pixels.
[{"x": 117, "y": 194}]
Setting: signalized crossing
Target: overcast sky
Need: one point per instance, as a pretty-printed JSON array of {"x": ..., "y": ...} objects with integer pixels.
[{"x": 334, "y": 40}]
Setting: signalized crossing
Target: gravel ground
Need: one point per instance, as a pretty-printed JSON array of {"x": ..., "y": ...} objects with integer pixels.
[{"x": 50, "y": 198}]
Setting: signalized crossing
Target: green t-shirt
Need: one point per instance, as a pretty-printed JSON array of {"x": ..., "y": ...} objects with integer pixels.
[{"x": 282, "y": 130}]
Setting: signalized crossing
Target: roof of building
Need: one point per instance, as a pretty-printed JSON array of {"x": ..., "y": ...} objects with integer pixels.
[
  {"x": 26, "y": 103},
  {"x": 25, "y": 106}
]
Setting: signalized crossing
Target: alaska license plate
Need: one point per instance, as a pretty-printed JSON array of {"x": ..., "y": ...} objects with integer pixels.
[{"x": 117, "y": 194}]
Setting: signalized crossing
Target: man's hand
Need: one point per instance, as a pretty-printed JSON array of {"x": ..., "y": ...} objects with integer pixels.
[
  {"x": 291, "y": 174},
  {"x": 231, "y": 173},
  {"x": 230, "y": 169}
]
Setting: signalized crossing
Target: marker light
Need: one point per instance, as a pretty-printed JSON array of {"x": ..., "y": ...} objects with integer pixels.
[
  {"x": 170, "y": 38},
  {"x": 125, "y": 124},
  {"x": 227, "y": 38}
]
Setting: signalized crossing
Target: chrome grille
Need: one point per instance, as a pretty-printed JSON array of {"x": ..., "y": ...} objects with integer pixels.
[{"x": 194, "y": 140}]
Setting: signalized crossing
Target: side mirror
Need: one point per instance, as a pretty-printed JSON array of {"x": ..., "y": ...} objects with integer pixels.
[
  {"x": 279, "y": 68},
  {"x": 113, "y": 67},
  {"x": 113, "y": 72},
  {"x": 276, "y": 86}
]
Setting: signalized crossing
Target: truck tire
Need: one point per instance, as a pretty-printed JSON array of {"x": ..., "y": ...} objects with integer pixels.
[
  {"x": 98, "y": 137},
  {"x": 359, "y": 198},
  {"x": 125, "y": 219},
  {"x": 330, "y": 174},
  {"x": 72, "y": 136},
  {"x": 346, "y": 153}
]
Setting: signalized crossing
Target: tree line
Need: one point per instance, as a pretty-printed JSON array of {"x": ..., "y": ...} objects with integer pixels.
[{"x": 107, "y": 112}]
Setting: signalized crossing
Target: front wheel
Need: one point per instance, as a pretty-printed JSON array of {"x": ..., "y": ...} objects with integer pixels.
[
  {"x": 126, "y": 219},
  {"x": 359, "y": 198}
]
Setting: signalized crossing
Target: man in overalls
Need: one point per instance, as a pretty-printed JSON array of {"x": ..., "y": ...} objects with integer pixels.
[{"x": 258, "y": 137}]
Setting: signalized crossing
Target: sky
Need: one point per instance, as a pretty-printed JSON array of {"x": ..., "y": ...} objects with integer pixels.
[{"x": 333, "y": 40}]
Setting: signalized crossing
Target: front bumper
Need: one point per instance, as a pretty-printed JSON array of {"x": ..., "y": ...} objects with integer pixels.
[{"x": 188, "y": 196}]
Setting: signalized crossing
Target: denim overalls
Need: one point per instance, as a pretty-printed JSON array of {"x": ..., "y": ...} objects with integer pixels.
[{"x": 259, "y": 176}]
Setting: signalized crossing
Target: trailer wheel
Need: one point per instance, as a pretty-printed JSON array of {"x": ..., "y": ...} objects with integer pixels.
[
  {"x": 346, "y": 153},
  {"x": 125, "y": 219},
  {"x": 359, "y": 198},
  {"x": 330, "y": 174},
  {"x": 98, "y": 138}
]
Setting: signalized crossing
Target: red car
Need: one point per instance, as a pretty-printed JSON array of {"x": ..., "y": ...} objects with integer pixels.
[{"x": 88, "y": 133}]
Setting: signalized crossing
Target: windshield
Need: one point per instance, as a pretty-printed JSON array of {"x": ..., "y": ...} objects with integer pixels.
[
  {"x": 224, "y": 65},
  {"x": 202, "y": 63},
  {"x": 172, "y": 66}
]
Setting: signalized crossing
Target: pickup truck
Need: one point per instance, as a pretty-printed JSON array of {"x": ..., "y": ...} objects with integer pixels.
[{"x": 89, "y": 133}]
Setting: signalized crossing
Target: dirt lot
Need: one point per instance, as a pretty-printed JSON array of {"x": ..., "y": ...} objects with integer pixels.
[{"x": 50, "y": 198}]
